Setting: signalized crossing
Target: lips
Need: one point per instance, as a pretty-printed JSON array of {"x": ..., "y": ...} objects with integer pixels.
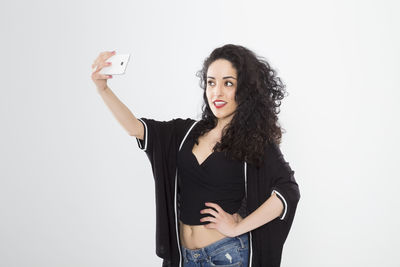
[{"x": 219, "y": 103}]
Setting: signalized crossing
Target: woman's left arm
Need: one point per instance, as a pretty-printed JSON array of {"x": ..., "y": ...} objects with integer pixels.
[
  {"x": 282, "y": 202},
  {"x": 234, "y": 225},
  {"x": 268, "y": 211},
  {"x": 285, "y": 194}
]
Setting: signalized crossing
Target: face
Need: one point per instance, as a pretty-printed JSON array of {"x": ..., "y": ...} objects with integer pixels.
[{"x": 221, "y": 85}]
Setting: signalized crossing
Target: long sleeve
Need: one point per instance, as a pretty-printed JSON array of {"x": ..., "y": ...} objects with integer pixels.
[
  {"x": 274, "y": 175},
  {"x": 161, "y": 135},
  {"x": 284, "y": 183},
  {"x": 160, "y": 143},
  {"x": 155, "y": 132}
]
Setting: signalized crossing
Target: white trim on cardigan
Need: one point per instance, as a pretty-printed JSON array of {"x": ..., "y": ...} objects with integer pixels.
[
  {"x": 175, "y": 204},
  {"x": 284, "y": 203},
  {"x": 145, "y": 139}
]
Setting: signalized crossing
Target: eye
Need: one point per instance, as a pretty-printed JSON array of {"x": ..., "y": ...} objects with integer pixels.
[
  {"x": 230, "y": 83},
  {"x": 210, "y": 82}
]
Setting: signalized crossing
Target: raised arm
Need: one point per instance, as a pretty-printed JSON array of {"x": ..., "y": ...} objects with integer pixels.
[{"x": 120, "y": 111}]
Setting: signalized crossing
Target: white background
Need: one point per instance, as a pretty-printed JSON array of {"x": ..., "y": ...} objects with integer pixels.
[{"x": 76, "y": 190}]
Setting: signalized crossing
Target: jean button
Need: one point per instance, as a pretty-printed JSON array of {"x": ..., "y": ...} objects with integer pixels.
[{"x": 196, "y": 255}]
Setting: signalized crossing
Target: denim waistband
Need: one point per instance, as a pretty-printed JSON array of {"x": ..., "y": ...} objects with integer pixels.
[{"x": 210, "y": 250}]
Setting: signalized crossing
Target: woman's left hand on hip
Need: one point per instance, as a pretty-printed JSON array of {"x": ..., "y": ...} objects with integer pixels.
[{"x": 224, "y": 222}]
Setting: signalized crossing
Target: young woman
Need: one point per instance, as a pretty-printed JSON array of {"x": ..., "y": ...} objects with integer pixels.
[{"x": 225, "y": 196}]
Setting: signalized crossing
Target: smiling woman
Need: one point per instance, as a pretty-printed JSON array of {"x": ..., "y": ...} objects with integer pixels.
[
  {"x": 225, "y": 196},
  {"x": 239, "y": 124}
]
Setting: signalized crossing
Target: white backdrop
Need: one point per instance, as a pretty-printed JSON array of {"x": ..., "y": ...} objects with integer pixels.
[{"x": 75, "y": 189}]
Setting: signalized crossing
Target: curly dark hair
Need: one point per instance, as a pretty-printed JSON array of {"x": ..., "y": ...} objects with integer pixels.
[{"x": 258, "y": 93}]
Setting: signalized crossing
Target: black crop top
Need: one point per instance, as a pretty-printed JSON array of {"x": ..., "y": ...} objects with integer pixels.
[{"x": 217, "y": 179}]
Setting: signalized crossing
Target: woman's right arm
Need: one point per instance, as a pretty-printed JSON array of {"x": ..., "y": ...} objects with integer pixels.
[{"x": 121, "y": 112}]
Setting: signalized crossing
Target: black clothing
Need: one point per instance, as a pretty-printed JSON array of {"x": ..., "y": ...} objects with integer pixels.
[
  {"x": 163, "y": 140},
  {"x": 217, "y": 180}
]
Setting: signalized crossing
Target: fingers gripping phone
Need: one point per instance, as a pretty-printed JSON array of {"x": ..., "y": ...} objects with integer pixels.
[{"x": 118, "y": 64}]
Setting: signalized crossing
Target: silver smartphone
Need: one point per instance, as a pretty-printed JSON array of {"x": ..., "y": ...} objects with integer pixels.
[{"x": 118, "y": 64}]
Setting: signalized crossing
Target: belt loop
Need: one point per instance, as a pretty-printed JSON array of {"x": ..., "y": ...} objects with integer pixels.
[{"x": 241, "y": 241}]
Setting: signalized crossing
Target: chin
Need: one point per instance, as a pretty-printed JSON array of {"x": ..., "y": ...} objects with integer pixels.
[{"x": 223, "y": 116}]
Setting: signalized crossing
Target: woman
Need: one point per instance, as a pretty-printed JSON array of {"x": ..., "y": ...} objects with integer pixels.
[{"x": 225, "y": 196}]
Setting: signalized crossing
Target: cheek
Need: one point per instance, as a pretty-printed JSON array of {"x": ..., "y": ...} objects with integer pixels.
[
  {"x": 232, "y": 96},
  {"x": 208, "y": 96}
]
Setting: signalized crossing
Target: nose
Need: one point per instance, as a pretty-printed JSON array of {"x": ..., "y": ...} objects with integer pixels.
[{"x": 218, "y": 89}]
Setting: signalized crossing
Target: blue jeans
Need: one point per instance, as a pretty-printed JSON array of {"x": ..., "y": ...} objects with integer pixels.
[{"x": 227, "y": 252}]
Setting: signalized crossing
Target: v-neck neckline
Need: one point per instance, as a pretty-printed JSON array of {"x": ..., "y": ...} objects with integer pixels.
[
  {"x": 195, "y": 158},
  {"x": 192, "y": 144}
]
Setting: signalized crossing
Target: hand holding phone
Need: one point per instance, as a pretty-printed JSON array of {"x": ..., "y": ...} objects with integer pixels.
[{"x": 118, "y": 64}]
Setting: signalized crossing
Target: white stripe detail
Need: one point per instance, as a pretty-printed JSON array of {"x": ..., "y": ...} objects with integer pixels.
[
  {"x": 175, "y": 204},
  {"x": 184, "y": 138},
  {"x": 250, "y": 243},
  {"x": 145, "y": 138},
  {"x": 245, "y": 177},
  {"x": 284, "y": 200}
]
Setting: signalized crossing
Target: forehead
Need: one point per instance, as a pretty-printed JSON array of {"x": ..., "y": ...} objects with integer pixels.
[{"x": 220, "y": 68}]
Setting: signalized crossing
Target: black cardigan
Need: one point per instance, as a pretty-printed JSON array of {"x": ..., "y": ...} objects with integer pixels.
[{"x": 162, "y": 141}]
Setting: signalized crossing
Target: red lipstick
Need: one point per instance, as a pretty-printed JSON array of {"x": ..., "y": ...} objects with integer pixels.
[{"x": 219, "y": 103}]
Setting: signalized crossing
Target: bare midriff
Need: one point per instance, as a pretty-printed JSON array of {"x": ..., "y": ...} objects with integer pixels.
[{"x": 198, "y": 236}]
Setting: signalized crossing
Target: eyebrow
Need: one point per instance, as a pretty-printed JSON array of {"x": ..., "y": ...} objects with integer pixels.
[{"x": 226, "y": 77}]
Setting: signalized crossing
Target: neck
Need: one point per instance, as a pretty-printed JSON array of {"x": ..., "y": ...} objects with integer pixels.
[{"x": 222, "y": 123}]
